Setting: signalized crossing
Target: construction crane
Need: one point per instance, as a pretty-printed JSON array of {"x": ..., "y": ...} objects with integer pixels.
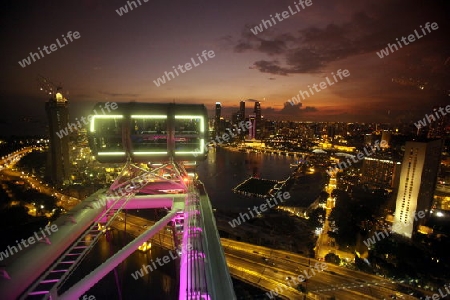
[{"x": 47, "y": 86}]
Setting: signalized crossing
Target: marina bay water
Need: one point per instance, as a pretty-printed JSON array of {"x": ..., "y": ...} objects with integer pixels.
[{"x": 224, "y": 169}]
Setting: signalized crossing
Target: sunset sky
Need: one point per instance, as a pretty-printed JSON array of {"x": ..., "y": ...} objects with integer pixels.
[{"x": 117, "y": 58}]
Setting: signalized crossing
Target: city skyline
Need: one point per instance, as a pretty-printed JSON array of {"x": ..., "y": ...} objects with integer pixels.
[
  {"x": 117, "y": 58},
  {"x": 137, "y": 126},
  {"x": 417, "y": 183}
]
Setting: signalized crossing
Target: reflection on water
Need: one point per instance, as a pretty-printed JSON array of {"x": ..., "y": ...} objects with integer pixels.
[
  {"x": 161, "y": 284},
  {"x": 224, "y": 169}
]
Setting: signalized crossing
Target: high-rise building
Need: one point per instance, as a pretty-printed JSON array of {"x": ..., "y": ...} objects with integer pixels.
[
  {"x": 217, "y": 118},
  {"x": 58, "y": 155},
  {"x": 258, "y": 123},
  {"x": 242, "y": 111},
  {"x": 235, "y": 117},
  {"x": 417, "y": 183},
  {"x": 331, "y": 131},
  {"x": 386, "y": 136},
  {"x": 368, "y": 139},
  {"x": 437, "y": 125},
  {"x": 252, "y": 130},
  {"x": 379, "y": 172}
]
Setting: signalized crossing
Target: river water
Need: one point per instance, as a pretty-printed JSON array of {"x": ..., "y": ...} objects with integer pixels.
[
  {"x": 225, "y": 169},
  {"x": 160, "y": 284}
]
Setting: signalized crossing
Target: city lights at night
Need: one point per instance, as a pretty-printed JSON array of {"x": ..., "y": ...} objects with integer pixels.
[{"x": 225, "y": 150}]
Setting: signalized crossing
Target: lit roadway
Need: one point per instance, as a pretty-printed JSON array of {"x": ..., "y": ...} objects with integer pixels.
[
  {"x": 247, "y": 262},
  {"x": 9, "y": 161},
  {"x": 324, "y": 242},
  {"x": 334, "y": 281}
]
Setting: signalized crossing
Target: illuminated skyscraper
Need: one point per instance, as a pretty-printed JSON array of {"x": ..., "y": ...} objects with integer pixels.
[
  {"x": 258, "y": 123},
  {"x": 235, "y": 117},
  {"x": 217, "y": 118},
  {"x": 58, "y": 155},
  {"x": 386, "y": 136},
  {"x": 379, "y": 173},
  {"x": 252, "y": 130},
  {"x": 242, "y": 111},
  {"x": 240, "y": 117},
  {"x": 417, "y": 184}
]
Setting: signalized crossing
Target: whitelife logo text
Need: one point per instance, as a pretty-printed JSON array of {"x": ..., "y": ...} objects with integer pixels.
[
  {"x": 280, "y": 17},
  {"x": 224, "y": 138},
  {"x": 187, "y": 67},
  {"x": 65, "y": 131},
  {"x": 378, "y": 236},
  {"x": 319, "y": 87},
  {"x": 124, "y": 9},
  {"x": 359, "y": 156},
  {"x": 411, "y": 38},
  {"x": 430, "y": 118},
  {"x": 161, "y": 261},
  {"x": 34, "y": 56},
  {"x": 297, "y": 280},
  {"x": 31, "y": 240},
  {"x": 263, "y": 207}
]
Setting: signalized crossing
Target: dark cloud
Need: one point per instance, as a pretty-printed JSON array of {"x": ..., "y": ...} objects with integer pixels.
[
  {"x": 369, "y": 30},
  {"x": 242, "y": 47},
  {"x": 226, "y": 42},
  {"x": 269, "y": 43},
  {"x": 310, "y": 109},
  {"x": 271, "y": 67},
  {"x": 272, "y": 47},
  {"x": 289, "y": 110},
  {"x": 304, "y": 61}
]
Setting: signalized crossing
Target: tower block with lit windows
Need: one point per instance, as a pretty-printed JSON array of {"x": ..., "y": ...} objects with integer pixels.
[
  {"x": 58, "y": 155},
  {"x": 217, "y": 119},
  {"x": 417, "y": 184},
  {"x": 258, "y": 120}
]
